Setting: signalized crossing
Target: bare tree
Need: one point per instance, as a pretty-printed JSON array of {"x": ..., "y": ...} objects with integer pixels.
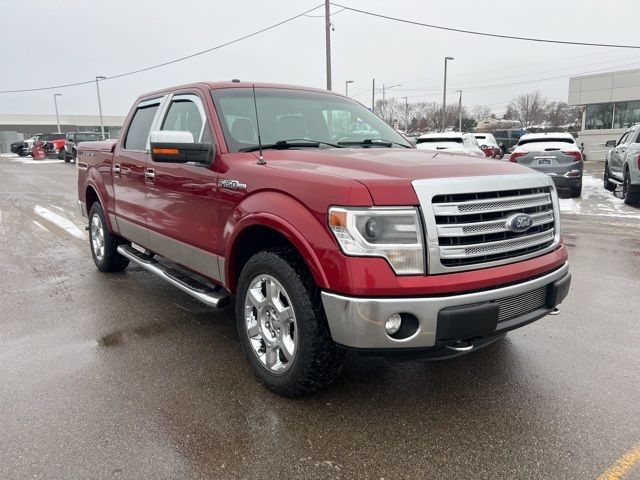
[
  {"x": 529, "y": 108},
  {"x": 480, "y": 112}
]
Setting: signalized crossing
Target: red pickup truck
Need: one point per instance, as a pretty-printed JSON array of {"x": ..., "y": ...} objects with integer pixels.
[{"x": 325, "y": 226}]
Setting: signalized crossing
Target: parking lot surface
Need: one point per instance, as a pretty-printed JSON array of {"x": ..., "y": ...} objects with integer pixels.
[{"x": 123, "y": 376}]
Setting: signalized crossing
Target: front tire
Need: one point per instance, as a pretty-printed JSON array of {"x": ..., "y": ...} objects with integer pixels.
[
  {"x": 608, "y": 184},
  {"x": 282, "y": 326},
  {"x": 103, "y": 243}
]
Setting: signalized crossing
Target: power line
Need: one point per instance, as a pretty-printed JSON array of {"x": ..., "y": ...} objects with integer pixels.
[
  {"x": 484, "y": 34},
  {"x": 186, "y": 57}
]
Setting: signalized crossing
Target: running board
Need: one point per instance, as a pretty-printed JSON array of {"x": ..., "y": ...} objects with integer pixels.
[{"x": 210, "y": 295}]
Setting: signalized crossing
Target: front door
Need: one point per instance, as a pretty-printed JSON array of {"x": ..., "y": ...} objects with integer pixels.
[
  {"x": 129, "y": 167},
  {"x": 617, "y": 155},
  {"x": 181, "y": 198}
]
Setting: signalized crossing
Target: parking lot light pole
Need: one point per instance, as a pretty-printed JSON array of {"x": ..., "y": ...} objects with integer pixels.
[
  {"x": 346, "y": 87},
  {"x": 460, "y": 111},
  {"x": 55, "y": 102},
  {"x": 100, "y": 104},
  {"x": 444, "y": 94}
]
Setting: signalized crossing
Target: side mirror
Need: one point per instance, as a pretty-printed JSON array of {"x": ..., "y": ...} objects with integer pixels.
[
  {"x": 610, "y": 143},
  {"x": 484, "y": 147},
  {"x": 171, "y": 146}
]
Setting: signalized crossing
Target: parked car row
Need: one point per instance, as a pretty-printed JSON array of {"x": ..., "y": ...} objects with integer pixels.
[{"x": 53, "y": 145}]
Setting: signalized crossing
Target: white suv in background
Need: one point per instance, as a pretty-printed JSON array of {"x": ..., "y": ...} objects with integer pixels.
[
  {"x": 454, "y": 142},
  {"x": 556, "y": 154},
  {"x": 622, "y": 165}
]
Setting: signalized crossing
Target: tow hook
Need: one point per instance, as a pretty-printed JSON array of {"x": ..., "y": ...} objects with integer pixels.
[
  {"x": 461, "y": 347},
  {"x": 555, "y": 311}
]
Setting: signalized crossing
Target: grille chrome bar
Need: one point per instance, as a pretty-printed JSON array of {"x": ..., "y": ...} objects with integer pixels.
[
  {"x": 517, "y": 305},
  {"x": 485, "y": 228},
  {"x": 499, "y": 204},
  {"x": 492, "y": 248}
]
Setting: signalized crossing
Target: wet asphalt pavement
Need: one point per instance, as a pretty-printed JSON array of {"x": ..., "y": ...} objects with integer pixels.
[{"x": 123, "y": 376}]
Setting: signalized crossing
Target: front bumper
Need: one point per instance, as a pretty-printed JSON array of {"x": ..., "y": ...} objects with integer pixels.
[{"x": 444, "y": 320}]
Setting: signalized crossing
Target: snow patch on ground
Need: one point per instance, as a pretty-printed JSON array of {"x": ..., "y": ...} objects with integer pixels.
[
  {"x": 596, "y": 200},
  {"x": 8, "y": 155},
  {"x": 31, "y": 161}
]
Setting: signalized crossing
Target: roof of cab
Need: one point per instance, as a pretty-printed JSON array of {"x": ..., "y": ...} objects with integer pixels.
[
  {"x": 234, "y": 84},
  {"x": 443, "y": 135}
]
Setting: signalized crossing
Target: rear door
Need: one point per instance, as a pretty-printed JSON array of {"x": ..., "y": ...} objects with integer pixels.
[
  {"x": 618, "y": 153},
  {"x": 181, "y": 198},
  {"x": 129, "y": 165}
]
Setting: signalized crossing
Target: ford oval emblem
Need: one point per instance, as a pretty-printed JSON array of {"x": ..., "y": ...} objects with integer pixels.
[{"x": 519, "y": 223}]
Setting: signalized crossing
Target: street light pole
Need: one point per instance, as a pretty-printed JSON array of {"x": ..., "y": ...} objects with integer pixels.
[
  {"x": 346, "y": 87},
  {"x": 406, "y": 114},
  {"x": 55, "y": 102},
  {"x": 100, "y": 104},
  {"x": 444, "y": 94},
  {"x": 327, "y": 33},
  {"x": 460, "y": 112}
]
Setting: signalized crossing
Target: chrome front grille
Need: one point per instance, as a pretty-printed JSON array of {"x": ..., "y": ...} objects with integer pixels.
[
  {"x": 466, "y": 220},
  {"x": 472, "y": 228},
  {"x": 518, "y": 305}
]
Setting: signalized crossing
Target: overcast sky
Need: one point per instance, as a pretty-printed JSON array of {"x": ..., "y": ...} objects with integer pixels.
[{"x": 48, "y": 42}]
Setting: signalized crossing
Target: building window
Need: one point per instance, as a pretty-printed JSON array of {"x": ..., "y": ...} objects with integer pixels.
[
  {"x": 627, "y": 114},
  {"x": 598, "y": 116}
]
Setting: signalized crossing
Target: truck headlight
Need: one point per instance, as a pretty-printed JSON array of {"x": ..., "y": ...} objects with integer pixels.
[{"x": 393, "y": 233}]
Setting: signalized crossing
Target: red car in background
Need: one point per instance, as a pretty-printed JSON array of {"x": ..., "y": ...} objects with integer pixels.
[
  {"x": 489, "y": 145},
  {"x": 52, "y": 143}
]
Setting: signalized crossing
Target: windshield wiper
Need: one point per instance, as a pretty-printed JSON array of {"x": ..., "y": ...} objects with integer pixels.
[
  {"x": 291, "y": 143},
  {"x": 377, "y": 142}
]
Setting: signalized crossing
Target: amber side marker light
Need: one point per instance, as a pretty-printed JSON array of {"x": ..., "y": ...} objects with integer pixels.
[
  {"x": 338, "y": 219},
  {"x": 166, "y": 151}
]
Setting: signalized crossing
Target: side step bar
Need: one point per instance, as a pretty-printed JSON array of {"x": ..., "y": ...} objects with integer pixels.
[{"x": 214, "y": 296}]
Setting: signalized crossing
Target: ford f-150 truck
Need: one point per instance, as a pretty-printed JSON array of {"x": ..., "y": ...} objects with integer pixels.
[{"x": 323, "y": 225}]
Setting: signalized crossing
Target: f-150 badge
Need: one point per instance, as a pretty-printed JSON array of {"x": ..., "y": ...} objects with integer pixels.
[{"x": 231, "y": 184}]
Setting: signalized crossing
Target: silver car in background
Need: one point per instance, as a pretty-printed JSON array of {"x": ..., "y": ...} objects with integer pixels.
[
  {"x": 556, "y": 154},
  {"x": 622, "y": 165}
]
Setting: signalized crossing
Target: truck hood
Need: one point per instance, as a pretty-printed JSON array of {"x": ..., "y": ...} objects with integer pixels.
[{"x": 388, "y": 172}]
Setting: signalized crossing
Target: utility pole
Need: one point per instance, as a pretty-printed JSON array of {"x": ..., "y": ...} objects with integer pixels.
[
  {"x": 100, "y": 105},
  {"x": 346, "y": 87},
  {"x": 406, "y": 114},
  {"x": 55, "y": 102},
  {"x": 373, "y": 95},
  {"x": 444, "y": 95},
  {"x": 460, "y": 112},
  {"x": 327, "y": 33}
]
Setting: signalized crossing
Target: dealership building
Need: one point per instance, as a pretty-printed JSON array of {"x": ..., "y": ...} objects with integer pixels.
[{"x": 610, "y": 104}]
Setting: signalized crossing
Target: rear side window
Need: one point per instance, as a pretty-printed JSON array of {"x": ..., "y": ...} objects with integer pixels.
[
  {"x": 184, "y": 116},
  {"x": 140, "y": 127},
  {"x": 547, "y": 140}
]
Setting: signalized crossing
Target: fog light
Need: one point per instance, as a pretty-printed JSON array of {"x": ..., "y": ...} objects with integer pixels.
[{"x": 392, "y": 325}]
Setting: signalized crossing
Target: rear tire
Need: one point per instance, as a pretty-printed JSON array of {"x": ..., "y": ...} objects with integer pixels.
[
  {"x": 287, "y": 341},
  {"x": 103, "y": 243},
  {"x": 62, "y": 155},
  {"x": 608, "y": 185},
  {"x": 576, "y": 191},
  {"x": 630, "y": 198}
]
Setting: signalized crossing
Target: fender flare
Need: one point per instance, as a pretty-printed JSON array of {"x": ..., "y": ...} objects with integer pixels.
[
  {"x": 94, "y": 181},
  {"x": 286, "y": 218}
]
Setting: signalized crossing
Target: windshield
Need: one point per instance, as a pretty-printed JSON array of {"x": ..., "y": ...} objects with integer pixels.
[
  {"x": 524, "y": 141},
  {"x": 296, "y": 115},
  {"x": 86, "y": 137},
  {"x": 51, "y": 136},
  {"x": 440, "y": 140}
]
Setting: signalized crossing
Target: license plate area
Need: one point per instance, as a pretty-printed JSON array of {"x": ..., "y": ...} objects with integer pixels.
[{"x": 544, "y": 161}]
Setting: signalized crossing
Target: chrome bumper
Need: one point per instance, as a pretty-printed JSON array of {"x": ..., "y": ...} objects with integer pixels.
[{"x": 359, "y": 322}]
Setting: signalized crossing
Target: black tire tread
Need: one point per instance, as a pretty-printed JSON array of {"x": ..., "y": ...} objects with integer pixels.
[
  {"x": 630, "y": 198},
  {"x": 610, "y": 186},
  {"x": 323, "y": 359}
]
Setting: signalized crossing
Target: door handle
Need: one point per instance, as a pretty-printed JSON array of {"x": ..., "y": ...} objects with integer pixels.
[
  {"x": 149, "y": 174},
  {"x": 116, "y": 169}
]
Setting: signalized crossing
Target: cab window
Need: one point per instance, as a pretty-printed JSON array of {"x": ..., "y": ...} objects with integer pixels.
[
  {"x": 184, "y": 115},
  {"x": 140, "y": 127}
]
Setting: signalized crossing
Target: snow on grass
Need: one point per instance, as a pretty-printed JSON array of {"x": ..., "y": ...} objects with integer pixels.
[{"x": 595, "y": 200}]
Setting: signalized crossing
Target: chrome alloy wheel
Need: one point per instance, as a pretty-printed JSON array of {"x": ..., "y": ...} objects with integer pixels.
[
  {"x": 270, "y": 323},
  {"x": 97, "y": 237}
]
